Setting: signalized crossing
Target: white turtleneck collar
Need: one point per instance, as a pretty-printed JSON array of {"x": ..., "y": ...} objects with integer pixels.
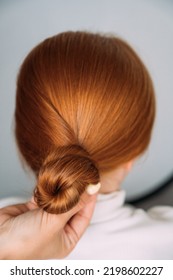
[{"x": 107, "y": 206}]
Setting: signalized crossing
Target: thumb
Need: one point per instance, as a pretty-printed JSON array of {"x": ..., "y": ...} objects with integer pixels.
[
  {"x": 86, "y": 201},
  {"x": 80, "y": 221}
]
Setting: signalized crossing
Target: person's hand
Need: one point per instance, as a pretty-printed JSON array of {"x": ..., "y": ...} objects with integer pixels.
[{"x": 27, "y": 232}]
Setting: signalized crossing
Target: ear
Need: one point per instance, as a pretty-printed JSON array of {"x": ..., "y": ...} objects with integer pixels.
[{"x": 128, "y": 165}]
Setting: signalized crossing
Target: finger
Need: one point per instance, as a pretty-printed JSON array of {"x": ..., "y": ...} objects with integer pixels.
[
  {"x": 12, "y": 211},
  {"x": 54, "y": 221},
  {"x": 15, "y": 210},
  {"x": 80, "y": 221},
  {"x": 32, "y": 204},
  {"x": 87, "y": 210},
  {"x": 84, "y": 214},
  {"x": 84, "y": 200}
]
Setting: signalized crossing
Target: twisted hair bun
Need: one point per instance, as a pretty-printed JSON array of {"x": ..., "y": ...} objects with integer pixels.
[{"x": 63, "y": 177}]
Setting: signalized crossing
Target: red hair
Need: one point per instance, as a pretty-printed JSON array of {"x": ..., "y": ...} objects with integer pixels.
[{"x": 85, "y": 105}]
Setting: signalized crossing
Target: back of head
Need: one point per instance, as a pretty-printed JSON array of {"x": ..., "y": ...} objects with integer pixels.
[{"x": 85, "y": 105}]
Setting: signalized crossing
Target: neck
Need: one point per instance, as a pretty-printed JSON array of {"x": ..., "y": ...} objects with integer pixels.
[
  {"x": 107, "y": 186},
  {"x": 111, "y": 181}
]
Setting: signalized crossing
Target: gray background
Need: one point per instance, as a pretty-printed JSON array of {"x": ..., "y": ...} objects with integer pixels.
[{"x": 146, "y": 24}]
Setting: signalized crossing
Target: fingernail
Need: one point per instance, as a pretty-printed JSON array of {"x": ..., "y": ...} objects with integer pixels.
[{"x": 92, "y": 189}]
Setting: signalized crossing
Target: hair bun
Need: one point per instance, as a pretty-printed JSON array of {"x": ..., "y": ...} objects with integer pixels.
[{"x": 63, "y": 177}]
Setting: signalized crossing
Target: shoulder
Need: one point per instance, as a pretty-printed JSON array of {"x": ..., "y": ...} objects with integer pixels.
[
  {"x": 153, "y": 217},
  {"x": 161, "y": 213}
]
